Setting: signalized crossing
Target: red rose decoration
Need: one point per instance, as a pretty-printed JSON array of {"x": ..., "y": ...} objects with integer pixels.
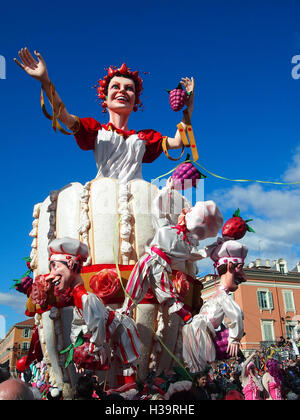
[
  {"x": 105, "y": 284},
  {"x": 181, "y": 284}
]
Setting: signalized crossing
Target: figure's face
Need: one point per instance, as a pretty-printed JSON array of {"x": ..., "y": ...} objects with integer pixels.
[
  {"x": 61, "y": 276},
  {"x": 202, "y": 381},
  {"x": 234, "y": 276},
  {"x": 121, "y": 94}
]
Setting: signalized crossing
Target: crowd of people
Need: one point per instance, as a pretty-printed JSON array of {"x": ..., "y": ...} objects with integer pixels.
[{"x": 263, "y": 375}]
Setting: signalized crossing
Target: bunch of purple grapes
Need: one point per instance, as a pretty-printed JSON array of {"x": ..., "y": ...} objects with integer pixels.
[
  {"x": 186, "y": 176},
  {"x": 177, "y": 98},
  {"x": 24, "y": 285}
]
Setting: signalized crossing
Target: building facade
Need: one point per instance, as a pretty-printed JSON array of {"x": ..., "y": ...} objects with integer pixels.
[
  {"x": 16, "y": 343},
  {"x": 270, "y": 301}
]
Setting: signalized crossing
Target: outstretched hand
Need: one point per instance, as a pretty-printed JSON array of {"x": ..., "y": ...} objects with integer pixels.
[
  {"x": 189, "y": 85},
  {"x": 233, "y": 349},
  {"x": 34, "y": 68}
]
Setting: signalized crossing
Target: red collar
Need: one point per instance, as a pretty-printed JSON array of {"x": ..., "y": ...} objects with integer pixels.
[
  {"x": 123, "y": 133},
  {"x": 77, "y": 294}
]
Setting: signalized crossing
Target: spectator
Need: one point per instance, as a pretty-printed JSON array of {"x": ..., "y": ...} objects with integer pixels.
[
  {"x": 16, "y": 390},
  {"x": 84, "y": 388},
  {"x": 200, "y": 389}
]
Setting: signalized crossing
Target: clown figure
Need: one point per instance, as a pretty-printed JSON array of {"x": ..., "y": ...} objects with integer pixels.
[
  {"x": 201, "y": 345},
  {"x": 106, "y": 329},
  {"x": 171, "y": 248}
]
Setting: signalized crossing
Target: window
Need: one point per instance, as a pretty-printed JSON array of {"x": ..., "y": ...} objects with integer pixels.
[
  {"x": 282, "y": 268},
  {"x": 288, "y": 299},
  {"x": 26, "y": 333},
  {"x": 265, "y": 299},
  {"x": 289, "y": 328},
  {"x": 25, "y": 346},
  {"x": 267, "y": 329}
]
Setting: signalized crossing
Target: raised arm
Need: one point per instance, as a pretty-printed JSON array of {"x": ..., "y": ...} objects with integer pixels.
[
  {"x": 245, "y": 364},
  {"x": 37, "y": 69},
  {"x": 189, "y": 84}
]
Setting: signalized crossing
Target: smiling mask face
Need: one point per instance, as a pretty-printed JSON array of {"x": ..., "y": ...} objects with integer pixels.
[
  {"x": 121, "y": 94},
  {"x": 61, "y": 275}
]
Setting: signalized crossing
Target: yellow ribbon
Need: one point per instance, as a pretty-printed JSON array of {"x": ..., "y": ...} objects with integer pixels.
[
  {"x": 224, "y": 178},
  {"x": 165, "y": 149},
  {"x": 55, "y": 116}
]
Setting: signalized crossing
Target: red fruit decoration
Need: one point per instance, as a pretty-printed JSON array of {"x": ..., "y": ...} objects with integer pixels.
[
  {"x": 186, "y": 171},
  {"x": 21, "y": 364},
  {"x": 177, "y": 98},
  {"x": 236, "y": 227}
]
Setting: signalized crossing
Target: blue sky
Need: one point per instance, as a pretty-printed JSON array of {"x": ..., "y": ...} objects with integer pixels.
[{"x": 246, "y": 115}]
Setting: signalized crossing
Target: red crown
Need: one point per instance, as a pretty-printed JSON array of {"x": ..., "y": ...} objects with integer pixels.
[{"x": 124, "y": 71}]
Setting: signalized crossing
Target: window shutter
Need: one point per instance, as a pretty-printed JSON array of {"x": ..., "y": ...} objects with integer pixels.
[
  {"x": 267, "y": 331},
  {"x": 288, "y": 300},
  {"x": 259, "y": 300},
  {"x": 271, "y": 304}
]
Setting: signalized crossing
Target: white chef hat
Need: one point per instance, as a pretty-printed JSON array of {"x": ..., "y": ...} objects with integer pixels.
[
  {"x": 204, "y": 219},
  {"x": 223, "y": 252},
  {"x": 66, "y": 249}
]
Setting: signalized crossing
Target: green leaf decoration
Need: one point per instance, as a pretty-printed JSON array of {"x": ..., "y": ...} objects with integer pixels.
[
  {"x": 71, "y": 347},
  {"x": 249, "y": 220},
  {"x": 27, "y": 259},
  {"x": 70, "y": 357},
  {"x": 79, "y": 340},
  {"x": 237, "y": 213},
  {"x": 17, "y": 282},
  {"x": 249, "y": 228},
  {"x": 66, "y": 349}
]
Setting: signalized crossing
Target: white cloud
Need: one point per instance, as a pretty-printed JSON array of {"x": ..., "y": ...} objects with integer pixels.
[
  {"x": 292, "y": 174},
  {"x": 276, "y": 214},
  {"x": 16, "y": 301}
]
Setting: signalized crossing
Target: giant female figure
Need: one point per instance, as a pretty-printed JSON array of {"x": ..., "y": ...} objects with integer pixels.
[{"x": 119, "y": 92}]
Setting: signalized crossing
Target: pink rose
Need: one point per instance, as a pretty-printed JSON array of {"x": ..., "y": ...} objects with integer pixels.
[{"x": 105, "y": 284}]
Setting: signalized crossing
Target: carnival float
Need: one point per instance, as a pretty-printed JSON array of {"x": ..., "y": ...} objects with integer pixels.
[{"x": 136, "y": 248}]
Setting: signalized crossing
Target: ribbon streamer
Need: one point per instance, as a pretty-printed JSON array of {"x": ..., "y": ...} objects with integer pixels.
[{"x": 224, "y": 178}]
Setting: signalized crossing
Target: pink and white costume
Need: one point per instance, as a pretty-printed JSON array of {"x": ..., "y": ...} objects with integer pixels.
[
  {"x": 119, "y": 154},
  {"x": 273, "y": 389},
  {"x": 171, "y": 248},
  {"x": 251, "y": 391},
  {"x": 198, "y": 336},
  {"x": 91, "y": 316},
  {"x": 105, "y": 326},
  {"x": 251, "y": 384}
]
